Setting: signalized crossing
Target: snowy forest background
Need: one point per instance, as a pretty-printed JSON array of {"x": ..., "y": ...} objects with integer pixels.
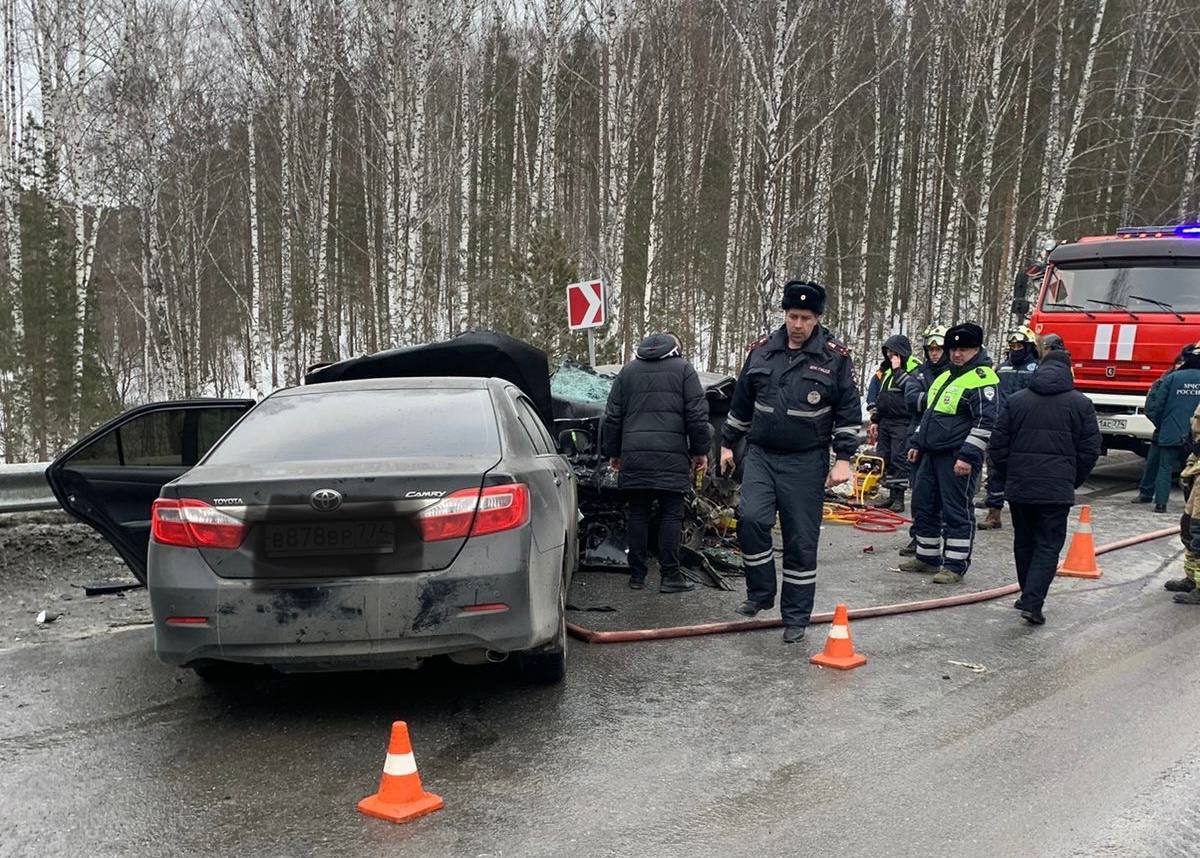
[{"x": 202, "y": 197}]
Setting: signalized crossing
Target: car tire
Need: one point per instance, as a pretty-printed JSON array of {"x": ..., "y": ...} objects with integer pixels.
[{"x": 547, "y": 665}]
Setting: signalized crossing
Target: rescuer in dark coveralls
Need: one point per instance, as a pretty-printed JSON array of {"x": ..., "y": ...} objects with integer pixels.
[
  {"x": 795, "y": 397},
  {"x": 948, "y": 448},
  {"x": 919, "y": 382},
  {"x": 1015, "y": 374},
  {"x": 891, "y": 419}
]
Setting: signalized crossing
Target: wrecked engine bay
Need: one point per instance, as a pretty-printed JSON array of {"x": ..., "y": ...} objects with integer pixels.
[{"x": 708, "y": 549}]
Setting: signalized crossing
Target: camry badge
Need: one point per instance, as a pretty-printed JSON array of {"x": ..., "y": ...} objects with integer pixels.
[{"x": 326, "y": 500}]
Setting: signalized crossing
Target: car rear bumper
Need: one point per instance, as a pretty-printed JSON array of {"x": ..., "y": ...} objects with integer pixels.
[{"x": 360, "y": 622}]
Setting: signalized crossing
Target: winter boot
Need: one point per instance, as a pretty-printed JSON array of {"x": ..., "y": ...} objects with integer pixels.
[
  {"x": 1033, "y": 617},
  {"x": 916, "y": 564},
  {"x": 909, "y": 550},
  {"x": 945, "y": 576},
  {"x": 1180, "y": 585},
  {"x": 992, "y": 521},
  {"x": 885, "y": 504},
  {"x": 675, "y": 583},
  {"x": 1192, "y": 597}
]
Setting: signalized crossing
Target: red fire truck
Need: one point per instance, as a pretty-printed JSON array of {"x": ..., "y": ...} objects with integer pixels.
[{"x": 1124, "y": 306}]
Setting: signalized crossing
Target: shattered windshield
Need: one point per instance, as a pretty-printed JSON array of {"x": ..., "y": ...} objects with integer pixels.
[{"x": 579, "y": 383}]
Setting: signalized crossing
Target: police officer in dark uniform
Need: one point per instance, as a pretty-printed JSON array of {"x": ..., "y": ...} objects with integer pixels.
[
  {"x": 795, "y": 396},
  {"x": 915, "y": 390},
  {"x": 949, "y": 446},
  {"x": 1014, "y": 374}
]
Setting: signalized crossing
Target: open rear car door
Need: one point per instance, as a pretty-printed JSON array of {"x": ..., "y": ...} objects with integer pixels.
[{"x": 110, "y": 478}]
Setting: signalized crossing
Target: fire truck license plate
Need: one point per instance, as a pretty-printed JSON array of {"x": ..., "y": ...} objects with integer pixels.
[{"x": 1112, "y": 424}]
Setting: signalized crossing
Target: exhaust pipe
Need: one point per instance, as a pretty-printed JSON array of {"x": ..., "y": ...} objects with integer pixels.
[{"x": 496, "y": 657}]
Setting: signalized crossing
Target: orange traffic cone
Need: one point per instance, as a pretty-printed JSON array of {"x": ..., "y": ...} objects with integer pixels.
[
  {"x": 839, "y": 649},
  {"x": 1081, "y": 556},
  {"x": 400, "y": 797}
]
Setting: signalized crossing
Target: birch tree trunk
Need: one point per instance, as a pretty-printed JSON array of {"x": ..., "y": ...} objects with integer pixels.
[
  {"x": 992, "y": 112},
  {"x": 414, "y": 260},
  {"x": 392, "y": 331},
  {"x": 327, "y": 347},
  {"x": 260, "y": 377},
  {"x": 288, "y": 340},
  {"x": 1186, "y": 212},
  {"x": 899, "y": 169},
  {"x": 16, "y": 422},
  {"x": 1061, "y": 167},
  {"x": 468, "y": 150},
  {"x": 738, "y": 168},
  {"x": 655, "y": 277},
  {"x": 547, "y": 124}
]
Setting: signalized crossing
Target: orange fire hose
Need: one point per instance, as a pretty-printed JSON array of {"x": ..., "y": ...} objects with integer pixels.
[
  {"x": 865, "y": 518},
  {"x": 597, "y": 637}
]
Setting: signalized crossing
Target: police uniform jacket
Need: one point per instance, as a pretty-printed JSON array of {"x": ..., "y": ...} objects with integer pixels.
[
  {"x": 793, "y": 401},
  {"x": 960, "y": 411}
]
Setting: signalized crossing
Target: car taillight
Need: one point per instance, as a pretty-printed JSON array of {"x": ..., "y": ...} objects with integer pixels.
[
  {"x": 471, "y": 512},
  {"x": 194, "y": 524}
]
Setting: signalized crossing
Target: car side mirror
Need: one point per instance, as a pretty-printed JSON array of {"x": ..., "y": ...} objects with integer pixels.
[
  {"x": 1020, "y": 307},
  {"x": 576, "y": 442}
]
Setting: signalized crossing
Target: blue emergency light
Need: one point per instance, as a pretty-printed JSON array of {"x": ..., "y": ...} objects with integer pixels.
[{"x": 1183, "y": 230}]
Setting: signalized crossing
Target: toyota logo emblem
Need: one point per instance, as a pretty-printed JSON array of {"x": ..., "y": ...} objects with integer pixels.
[{"x": 326, "y": 500}]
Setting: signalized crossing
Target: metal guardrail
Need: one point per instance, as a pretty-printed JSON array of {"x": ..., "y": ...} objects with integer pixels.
[{"x": 23, "y": 488}]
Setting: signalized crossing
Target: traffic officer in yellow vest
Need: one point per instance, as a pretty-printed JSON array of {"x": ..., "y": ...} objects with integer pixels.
[
  {"x": 795, "y": 397},
  {"x": 948, "y": 448}
]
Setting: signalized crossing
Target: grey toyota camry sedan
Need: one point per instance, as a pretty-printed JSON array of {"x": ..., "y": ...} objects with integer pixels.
[{"x": 346, "y": 525}]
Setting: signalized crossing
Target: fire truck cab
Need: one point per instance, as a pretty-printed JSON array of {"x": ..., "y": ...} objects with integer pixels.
[{"x": 1124, "y": 306}]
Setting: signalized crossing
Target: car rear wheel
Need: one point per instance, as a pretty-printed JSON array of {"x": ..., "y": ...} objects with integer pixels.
[{"x": 547, "y": 665}]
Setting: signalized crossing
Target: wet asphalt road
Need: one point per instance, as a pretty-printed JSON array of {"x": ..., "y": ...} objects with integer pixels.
[{"x": 1076, "y": 739}]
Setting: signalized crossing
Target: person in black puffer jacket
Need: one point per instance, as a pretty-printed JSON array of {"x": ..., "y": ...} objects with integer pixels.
[
  {"x": 656, "y": 435},
  {"x": 1045, "y": 443},
  {"x": 891, "y": 416}
]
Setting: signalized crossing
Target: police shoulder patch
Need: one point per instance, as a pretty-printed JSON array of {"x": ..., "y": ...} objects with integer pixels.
[
  {"x": 836, "y": 347},
  {"x": 760, "y": 341},
  {"x": 981, "y": 371}
]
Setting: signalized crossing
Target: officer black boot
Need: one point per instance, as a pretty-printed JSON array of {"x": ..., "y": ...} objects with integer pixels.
[
  {"x": 909, "y": 550},
  {"x": 793, "y": 634},
  {"x": 885, "y": 504},
  {"x": 750, "y": 608},
  {"x": 897, "y": 502},
  {"x": 676, "y": 583},
  {"x": 1180, "y": 585}
]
